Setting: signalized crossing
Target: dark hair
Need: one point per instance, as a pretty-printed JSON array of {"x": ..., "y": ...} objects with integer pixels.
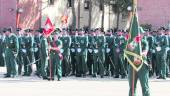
[
  {"x": 28, "y": 30},
  {"x": 4, "y": 30},
  {"x": 18, "y": 29},
  {"x": 10, "y": 29}
]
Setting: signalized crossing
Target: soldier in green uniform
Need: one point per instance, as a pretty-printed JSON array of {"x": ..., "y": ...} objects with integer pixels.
[
  {"x": 73, "y": 34},
  {"x": 11, "y": 51},
  {"x": 44, "y": 55},
  {"x": 154, "y": 61},
  {"x": 28, "y": 52},
  {"x": 20, "y": 55},
  {"x": 151, "y": 52},
  {"x": 109, "y": 63},
  {"x": 77, "y": 54},
  {"x": 161, "y": 50},
  {"x": 90, "y": 51},
  {"x": 99, "y": 54},
  {"x": 2, "y": 62},
  {"x": 36, "y": 49},
  {"x": 168, "y": 57},
  {"x": 3, "y": 47},
  {"x": 168, "y": 50},
  {"x": 66, "y": 40},
  {"x": 120, "y": 44},
  {"x": 81, "y": 56},
  {"x": 142, "y": 74},
  {"x": 56, "y": 57}
]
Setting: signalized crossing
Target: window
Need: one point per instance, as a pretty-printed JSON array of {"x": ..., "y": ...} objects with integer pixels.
[
  {"x": 51, "y": 2},
  {"x": 86, "y": 4},
  {"x": 69, "y": 3}
]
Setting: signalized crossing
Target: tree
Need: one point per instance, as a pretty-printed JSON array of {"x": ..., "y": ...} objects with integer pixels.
[
  {"x": 73, "y": 25},
  {"x": 119, "y": 7},
  {"x": 102, "y": 8},
  {"x": 90, "y": 14}
]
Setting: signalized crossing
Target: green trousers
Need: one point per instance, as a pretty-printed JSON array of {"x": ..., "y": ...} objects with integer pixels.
[
  {"x": 66, "y": 67},
  {"x": 44, "y": 64},
  {"x": 143, "y": 76},
  {"x": 55, "y": 65},
  {"x": 162, "y": 64},
  {"x": 99, "y": 60},
  {"x": 11, "y": 64},
  {"x": 27, "y": 59}
]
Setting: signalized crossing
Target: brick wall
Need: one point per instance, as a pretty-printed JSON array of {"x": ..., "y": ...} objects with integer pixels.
[
  {"x": 8, "y": 14},
  {"x": 155, "y": 12}
]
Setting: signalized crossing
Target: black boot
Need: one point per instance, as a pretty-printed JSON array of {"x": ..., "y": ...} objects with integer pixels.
[
  {"x": 7, "y": 76},
  {"x": 116, "y": 76},
  {"x": 45, "y": 78},
  {"x": 95, "y": 75}
]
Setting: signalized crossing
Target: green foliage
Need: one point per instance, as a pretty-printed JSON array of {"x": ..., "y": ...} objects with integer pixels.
[{"x": 121, "y": 5}]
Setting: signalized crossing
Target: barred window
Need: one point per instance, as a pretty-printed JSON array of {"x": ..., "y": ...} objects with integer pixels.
[
  {"x": 51, "y": 2},
  {"x": 69, "y": 3}
]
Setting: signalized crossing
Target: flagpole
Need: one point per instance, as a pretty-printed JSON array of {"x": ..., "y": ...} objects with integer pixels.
[
  {"x": 134, "y": 6},
  {"x": 47, "y": 32},
  {"x": 50, "y": 61}
]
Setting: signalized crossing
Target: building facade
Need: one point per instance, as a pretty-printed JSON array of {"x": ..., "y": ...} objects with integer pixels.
[{"x": 154, "y": 12}]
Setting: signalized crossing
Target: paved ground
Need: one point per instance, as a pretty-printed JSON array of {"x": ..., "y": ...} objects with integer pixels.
[{"x": 72, "y": 86}]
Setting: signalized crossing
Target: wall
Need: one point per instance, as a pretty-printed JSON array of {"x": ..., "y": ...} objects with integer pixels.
[
  {"x": 8, "y": 13},
  {"x": 155, "y": 12}
]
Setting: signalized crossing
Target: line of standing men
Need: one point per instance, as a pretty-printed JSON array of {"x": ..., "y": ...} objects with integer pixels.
[
  {"x": 22, "y": 50},
  {"x": 78, "y": 53}
]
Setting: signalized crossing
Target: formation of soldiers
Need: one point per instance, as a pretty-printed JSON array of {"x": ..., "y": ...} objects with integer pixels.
[{"x": 78, "y": 52}]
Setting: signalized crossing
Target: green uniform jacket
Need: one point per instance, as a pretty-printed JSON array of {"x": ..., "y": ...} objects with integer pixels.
[
  {"x": 44, "y": 47},
  {"x": 83, "y": 41},
  {"x": 11, "y": 44},
  {"x": 66, "y": 40}
]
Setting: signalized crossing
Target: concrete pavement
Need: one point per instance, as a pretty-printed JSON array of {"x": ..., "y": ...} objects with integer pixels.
[{"x": 72, "y": 86}]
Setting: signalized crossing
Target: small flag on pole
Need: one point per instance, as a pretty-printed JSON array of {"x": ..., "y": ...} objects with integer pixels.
[{"x": 49, "y": 27}]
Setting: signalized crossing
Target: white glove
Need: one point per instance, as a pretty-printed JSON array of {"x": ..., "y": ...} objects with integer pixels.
[
  {"x": 24, "y": 50},
  {"x": 62, "y": 50},
  {"x": 158, "y": 48},
  {"x": 108, "y": 50},
  {"x": 96, "y": 50},
  {"x": 79, "y": 50}
]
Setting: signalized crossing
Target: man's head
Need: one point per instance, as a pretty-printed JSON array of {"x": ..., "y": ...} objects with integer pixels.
[
  {"x": 55, "y": 36},
  {"x": 167, "y": 32},
  {"x": 19, "y": 31},
  {"x": 81, "y": 31},
  {"x": 7, "y": 31},
  {"x": 28, "y": 31}
]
